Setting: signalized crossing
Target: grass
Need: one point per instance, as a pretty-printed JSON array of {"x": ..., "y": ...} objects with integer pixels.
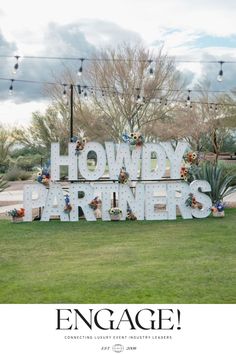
[{"x": 182, "y": 261}]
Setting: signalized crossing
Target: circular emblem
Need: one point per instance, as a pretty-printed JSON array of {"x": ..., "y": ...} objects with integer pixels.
[{"x": 118, "y": 348}]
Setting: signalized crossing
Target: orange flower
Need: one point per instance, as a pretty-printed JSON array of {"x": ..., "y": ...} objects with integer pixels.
[
  {"x": 183, "y": 172},
  {"x": 21, "y": 212}
]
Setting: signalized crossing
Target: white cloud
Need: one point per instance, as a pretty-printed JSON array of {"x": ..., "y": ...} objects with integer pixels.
[
  {"x": 19, "y": 114},
  {"x": 146, "y": 17}
]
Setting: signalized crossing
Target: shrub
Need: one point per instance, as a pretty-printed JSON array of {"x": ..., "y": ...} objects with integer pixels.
[
  {"x": 15, "y": 174},
  {"x": 28, "y": 162},
  {"x": 25, "y": 175}
]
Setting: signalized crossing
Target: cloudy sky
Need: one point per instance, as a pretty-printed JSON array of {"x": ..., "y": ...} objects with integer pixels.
[{"x": 189, "y": 29}]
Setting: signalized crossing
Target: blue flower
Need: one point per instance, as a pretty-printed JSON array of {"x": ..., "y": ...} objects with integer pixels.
[
  {"x": 125, "y": 138},
  {"x": 219, "y": 206}
]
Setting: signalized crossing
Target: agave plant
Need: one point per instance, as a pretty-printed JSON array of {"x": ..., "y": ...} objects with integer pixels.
[
  {"x": 3, "y": 184},
  {"x": 222, "y": 184}
]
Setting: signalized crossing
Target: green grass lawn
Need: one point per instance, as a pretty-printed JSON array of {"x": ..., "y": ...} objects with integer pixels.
[{"x": 182, "y": 261}]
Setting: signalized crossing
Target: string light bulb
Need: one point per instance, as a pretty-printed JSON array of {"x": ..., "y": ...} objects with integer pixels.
[
  {"x": 79, "y": 89},
  {"x": 138, "y": 97},
  {"x": 64, "y": 92},
  {"x": 11, "y": 88},
  {"x": 16, "y": 66},
  {"x": 151, "y": 70},
  {"x": 188, "y": 101},
  {"x": 85, "y": 93},
  {"x": 220, "y": 74},
  {"x": 80, "y": 71}
]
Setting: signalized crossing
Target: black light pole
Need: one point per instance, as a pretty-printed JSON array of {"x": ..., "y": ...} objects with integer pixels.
[{"x": 71, "y": 112}]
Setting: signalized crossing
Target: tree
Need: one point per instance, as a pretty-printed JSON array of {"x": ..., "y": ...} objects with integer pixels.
[
  {"x": 6, "y": 144},
  {"x": 203, "y": 124},
  {"x": 116, "y": 94},
  {"x": 126, "y": 96},
  {"x": 46, "y": 128}
]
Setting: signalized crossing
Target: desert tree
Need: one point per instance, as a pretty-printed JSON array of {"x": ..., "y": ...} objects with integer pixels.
[
  {"x": 133, "y": 88},
  {"x": 123, "y": 89},
  {"x": 6, "y": 144},
  {"x": 45, "y": 128}
]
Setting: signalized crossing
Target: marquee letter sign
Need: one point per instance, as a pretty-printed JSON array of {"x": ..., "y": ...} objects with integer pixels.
[{"x": 147, "y": 194}]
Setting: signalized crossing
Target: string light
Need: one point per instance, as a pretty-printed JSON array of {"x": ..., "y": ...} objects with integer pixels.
[
  {"x": 109, "y": 90},
  {"x": 149, "y": 61},
  {"x": 79, "y": 73},
  {"x": 120, "y": 59},
  {"x": 220, "y": 74},
  {"x": 16, "y": 66},
  {"x": 11, "y": 87}
]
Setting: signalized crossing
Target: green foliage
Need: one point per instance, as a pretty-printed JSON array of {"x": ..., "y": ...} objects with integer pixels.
[
  {"x": 3, "y": 183},
  {"x": 53, "y": 126},
  {"x": 145, "y": 262},
  {"x": 27, "y": 151},
  {"x": 28, "y": 158},
  {"x": 222, "y": 182},
  {"x": 29, "y": 162},
  {"x": 228, "y": 143},
  {"x": 17, "y": 174},
  {"x": 6, "y": 144}
]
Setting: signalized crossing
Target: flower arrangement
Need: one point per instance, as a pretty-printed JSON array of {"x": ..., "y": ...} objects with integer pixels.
[
  {"x": 67, "y": 207},
  {"x": 218, "y": 209},
  {"x": 134, "y": 139},
  {"x": 191, "y": 157},
  {"x": 80, "y": 144},
  {"x": 115, "y": 213},
  {"x": 190, "y": 167},
  {"x": 184, "y": 173},
  {"x": 130, "y": 215},
  {"x": 44, "y": 177},
  {"x": 17, "y": 214},
  {"x": 123, "y": 176},
  {"x": 94, "y": 204},
  {"x": 80, "y": 141},
  {"x": 192, "y": 202}
]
